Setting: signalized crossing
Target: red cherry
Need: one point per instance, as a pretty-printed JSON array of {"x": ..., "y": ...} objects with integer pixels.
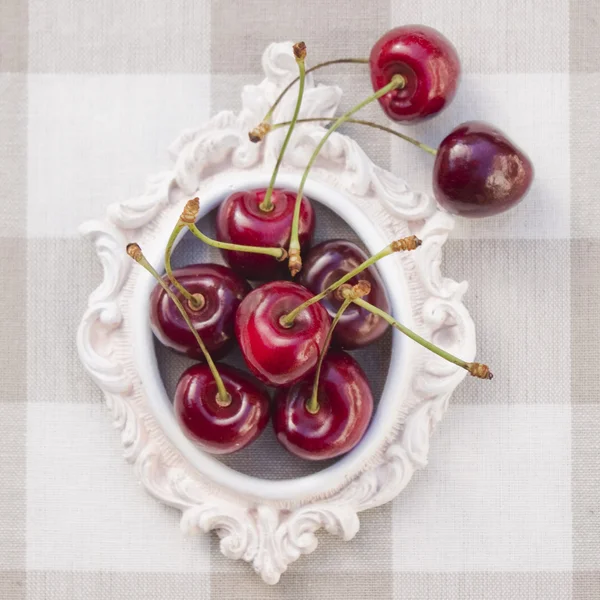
[
  {"x": 240, "y": 220},
  {"x": 216, "y": 428},
  {"x": 222, "y": 290},
  {"x": 429, "y": 64},
  {"x": 479, "y": 172},
  {"x": 345, "y": 408},
  {"x": 325, "y": 264},
  {"x": 277, "y": 355}
]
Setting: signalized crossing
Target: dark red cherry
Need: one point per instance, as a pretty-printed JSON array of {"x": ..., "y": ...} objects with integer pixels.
[
  {"x": 345, "y": 409},
  {"x": 215, "y": 428},
  {"x": 240, "y": 220},
  {"x": 479, "y": 172},
  {"x": 430, "y": 67},
  {"x": 277, "y": 355},
  {"x": 222, "y": 290},
  {"x": 325, "y": 264}
]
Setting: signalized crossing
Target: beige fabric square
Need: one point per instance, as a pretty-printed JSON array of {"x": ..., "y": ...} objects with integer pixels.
[
  {"x": 585, "y": 330},
  {"x": 584, "y": 36},
  {"x": 519, "y": 298},
  {"x": 63, "y": 585},
  {"x": 586, "y": 487},
  {"x": 13, "y": 516},
  {"x": 14, "y": 40},
  {"x": 13, "y": 153},
  {"x": 240, "y": 31},
  {"x": 585, "y": 149},
  {"x": 139, "y": 36},
  {"x": 13, "y": 321}
]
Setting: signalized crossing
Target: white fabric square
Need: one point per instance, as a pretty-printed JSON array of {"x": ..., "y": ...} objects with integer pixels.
[
  {"x": 85, "y": 510},
  {"x": 533, "y": 110},
  {"x": 496, "y": 494},
  {"x": 95, "y": 139}
]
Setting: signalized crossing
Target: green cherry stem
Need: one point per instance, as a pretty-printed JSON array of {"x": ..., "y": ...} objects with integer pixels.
[
  {"x": 195, "y": 301},
  {"x": 300, "y": 55},
  {"x": 475, "y": 369},
  {"x": 362, "y": 61},
  {"x": 403, "y": 136},
  {"x": 190, "y": 212},
  {"x": 312, "y": 406},
  {"x": 224, "y": 399},
  {"x": 408, "y": 243},
  {"x": 295, "y": 261},
  {"x": 350, "y": 293}
]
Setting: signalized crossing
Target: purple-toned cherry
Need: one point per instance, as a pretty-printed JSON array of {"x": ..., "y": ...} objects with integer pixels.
[
  {"x": 345, "y": 406},
  {"x": 217, "y": 292},
  {"x": 280, "y": 352},
  {"x": 324, "y": 265},
  {"x": 216, "y": 427},
  {"x": 429, "y": 64},
  {"x": 242, "y": 220},
  {"x": 479, "y": 172},
  {"x": 222, "y": 413}
]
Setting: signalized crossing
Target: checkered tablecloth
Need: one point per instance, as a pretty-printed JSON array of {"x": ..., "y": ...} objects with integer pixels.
[{"x": 91, "y": 94}]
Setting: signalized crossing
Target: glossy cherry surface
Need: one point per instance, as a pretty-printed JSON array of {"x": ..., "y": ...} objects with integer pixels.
[
  {"x": 325, "y": 264},
  {"x": 220, "y": 429},
  {"x": 277, "y": 355},
  {"x": 429, "y": 64},
  {"x": 240, "y": 220},
  {"x": 479, "y": 172},
  {"x": 222, "y": 289},
  {"x": 345, "y": 409}
]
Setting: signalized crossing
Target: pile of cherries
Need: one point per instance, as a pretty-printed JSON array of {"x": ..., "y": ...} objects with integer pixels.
[{"x": 295, "y": 335}]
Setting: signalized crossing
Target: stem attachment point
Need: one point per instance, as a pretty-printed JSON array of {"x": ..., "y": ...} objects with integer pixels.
[{"x": 259, "y": 132}]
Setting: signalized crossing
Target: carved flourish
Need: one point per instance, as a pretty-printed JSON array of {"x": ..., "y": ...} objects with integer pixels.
[{"x": 267, "y": 535}]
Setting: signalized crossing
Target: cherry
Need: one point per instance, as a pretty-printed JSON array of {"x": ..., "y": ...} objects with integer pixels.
[
  {"x": 241, "y": 220},
  {"x": 215, "y": 427},
  {"x": 276, "y": 353},
  {"x": 479, "y": 172},
  {"x": 429, "y": 64},
  {"x": 218, "y": 292},
  {"x": 345, "y": 408},
  {"x": 326, "y": 263}
]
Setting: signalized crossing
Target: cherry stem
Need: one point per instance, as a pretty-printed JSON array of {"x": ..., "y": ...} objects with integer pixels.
[
  {"x": 300, "y": 54},
  {"x": 295, "y": 262},
  {"x": 224, "y": 399},
  {"x": 362, "y": 61},
  {"x": 403, "y": 136},
  {"x": 475, "y": 369},
  {"x": 312, "y": 406},
  {"x": 188, "y": 217},
  {"x": 408, "y": 243},
  {"x": 195, "y": 301}
]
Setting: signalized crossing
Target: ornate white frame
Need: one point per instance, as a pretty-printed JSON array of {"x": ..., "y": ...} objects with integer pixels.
[{"x": 272, "y": 530}]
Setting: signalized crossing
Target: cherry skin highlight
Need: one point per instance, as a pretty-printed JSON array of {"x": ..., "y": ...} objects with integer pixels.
[
  {"x": 325, "y": 264},
  {"x": 430, "y": 67},
  {"x": 479, "y": 171},
  {"x": 345, "y": 409},
  {"x": 240, "y": 220},
  {"x": 279, "y": 355},
  {"x": 215, "y": 428},
  {"x": 222, "y": 290}
]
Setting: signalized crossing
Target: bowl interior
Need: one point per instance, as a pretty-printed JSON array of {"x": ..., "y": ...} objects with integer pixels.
[
  {"x": 301, "y": 481},
  {"x": 266, "y": 458}
]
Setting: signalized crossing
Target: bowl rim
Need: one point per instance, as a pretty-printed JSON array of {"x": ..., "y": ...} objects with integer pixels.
[{"x": 382, "y": 422}]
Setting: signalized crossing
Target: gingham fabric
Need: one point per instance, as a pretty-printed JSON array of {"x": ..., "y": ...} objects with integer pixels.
[{"x": 91, "y": 94}]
